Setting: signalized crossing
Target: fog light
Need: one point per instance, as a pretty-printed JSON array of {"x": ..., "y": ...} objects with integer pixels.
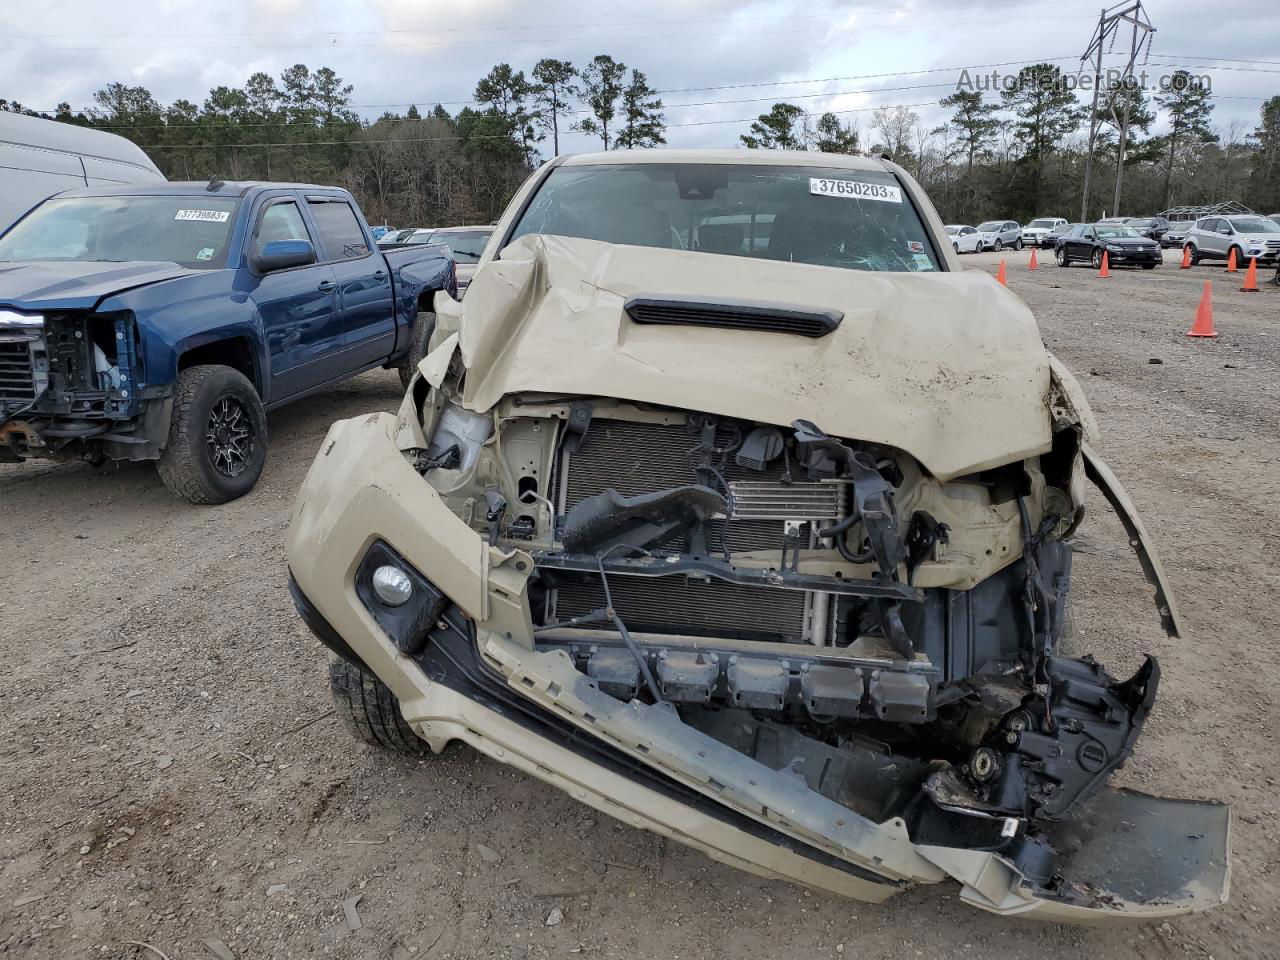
[{"x": 392, "y": 585}]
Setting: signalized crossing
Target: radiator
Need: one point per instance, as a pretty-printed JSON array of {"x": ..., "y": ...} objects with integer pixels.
[{"x": 635, "y": 458}]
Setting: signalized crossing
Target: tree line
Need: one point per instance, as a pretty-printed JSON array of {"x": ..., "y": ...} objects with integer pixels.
[
  {"x": 1021, "y": 154},
  {"x": 1018, "y": 153},
  {"x": 407, "y": 169}
]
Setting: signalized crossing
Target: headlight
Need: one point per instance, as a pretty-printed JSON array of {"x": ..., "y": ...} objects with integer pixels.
[
  {"x": 11, "y": 320},
  {"x": 1113, "y": 249},
  {"x": 403, "y": 602}
]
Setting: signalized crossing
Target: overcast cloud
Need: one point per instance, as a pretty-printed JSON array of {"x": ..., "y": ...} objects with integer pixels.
[{"x": 397, "y": 52}]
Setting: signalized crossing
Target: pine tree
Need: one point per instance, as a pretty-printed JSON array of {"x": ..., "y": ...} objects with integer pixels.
[
  {"x": 1188, "y": 102},
  {"x": 834, "y": 136},
  {"x": 601, "y": 90},
  {"x": 1045, "y": 111},
  {"x": 553, "y": 90},
  {"x": 777, "y": 129},
  {"x": 643, "y": 121}
]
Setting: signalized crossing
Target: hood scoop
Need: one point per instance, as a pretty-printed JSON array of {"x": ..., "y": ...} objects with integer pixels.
[{"x": 733, "y": 315}]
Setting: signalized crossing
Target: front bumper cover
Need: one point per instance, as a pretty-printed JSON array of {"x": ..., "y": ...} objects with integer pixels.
[{"x": 478, "y": 680}]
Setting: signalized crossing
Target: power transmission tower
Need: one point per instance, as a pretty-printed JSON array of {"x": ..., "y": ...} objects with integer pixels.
[{"x": 1110, "y": 23}]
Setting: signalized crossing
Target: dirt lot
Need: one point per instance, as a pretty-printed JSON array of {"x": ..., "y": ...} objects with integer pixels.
[{"x": 171, "y": 771}]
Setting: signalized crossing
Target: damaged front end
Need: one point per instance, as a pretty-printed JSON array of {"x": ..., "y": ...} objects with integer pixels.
[
  {"x": 807, "y": 654},
  {"x": 71, "y": 387}
]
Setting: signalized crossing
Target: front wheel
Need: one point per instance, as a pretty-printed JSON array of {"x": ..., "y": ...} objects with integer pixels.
[
  {"x": 1061, "y": 257},
  {"x": 956, "y": 248},
  {"x": 420, "y": 339},
  {"x": 217, "y": 436},
  {"x": 1017, "y": 244},
  {"x": 1097, "y": 259},
  {"x": 369, "y": 710},
  {"x": 1195, "y": 254},
  {"x": 997, "y": 246}
]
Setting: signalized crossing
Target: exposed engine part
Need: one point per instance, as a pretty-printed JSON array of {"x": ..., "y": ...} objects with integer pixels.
[
  {"x": 1050, "y": 755},
  {"x": 462, "y": 429},
  {"x": 648, "y": 520},
  {"x": 761, "y": 447}
]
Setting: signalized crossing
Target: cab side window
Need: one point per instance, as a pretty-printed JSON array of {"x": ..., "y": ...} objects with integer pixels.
[
  {"x": 339, "y": 230},
  {"x": 280, "y": 221}
]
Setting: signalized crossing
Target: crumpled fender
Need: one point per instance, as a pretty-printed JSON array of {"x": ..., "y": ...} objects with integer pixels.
[{"x": 1102, "y": 477}]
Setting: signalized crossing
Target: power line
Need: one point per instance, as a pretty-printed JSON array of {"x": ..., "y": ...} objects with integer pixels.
[{"x": 728, "y": 86}]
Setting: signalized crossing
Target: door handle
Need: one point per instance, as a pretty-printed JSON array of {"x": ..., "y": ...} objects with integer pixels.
[
  {"x": 327, "y": 286},
  {"x": 380, "y": 275}
]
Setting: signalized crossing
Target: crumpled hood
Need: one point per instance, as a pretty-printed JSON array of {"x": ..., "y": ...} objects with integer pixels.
[
  {"x": 949, "y": 367},
  {"x": 68, "y": 285}
]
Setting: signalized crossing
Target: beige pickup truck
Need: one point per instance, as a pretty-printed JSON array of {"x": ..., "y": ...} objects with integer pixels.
[{"x": 729, "y": 504}]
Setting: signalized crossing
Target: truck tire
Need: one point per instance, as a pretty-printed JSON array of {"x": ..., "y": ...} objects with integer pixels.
[
  {"x": 369, "y": 710},
  {"x": 423, "y": 326},
  {"x": 217, "y": 436}
]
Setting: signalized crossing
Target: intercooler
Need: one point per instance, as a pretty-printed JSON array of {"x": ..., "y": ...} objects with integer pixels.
[{"x": 636, "y": 458}]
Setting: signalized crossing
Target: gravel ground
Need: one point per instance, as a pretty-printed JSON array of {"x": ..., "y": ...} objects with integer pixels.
[{"x": 173, "y": 773}]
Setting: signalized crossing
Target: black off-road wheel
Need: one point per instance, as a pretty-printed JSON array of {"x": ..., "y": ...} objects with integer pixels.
[
  {"x": 369, "y": 710},
  {"x": 423, "y": 327},
  {"x": 217, "y": 436}
]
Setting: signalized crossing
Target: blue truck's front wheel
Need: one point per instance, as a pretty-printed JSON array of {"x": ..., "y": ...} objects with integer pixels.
[{"x": 217, "y": 438}]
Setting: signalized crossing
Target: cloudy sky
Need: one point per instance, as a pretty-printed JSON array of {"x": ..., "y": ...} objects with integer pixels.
[{"x": 718, "y": 62}]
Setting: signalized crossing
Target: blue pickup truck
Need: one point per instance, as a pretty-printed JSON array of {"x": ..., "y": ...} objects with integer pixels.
[{"x": 161, "y": 322}]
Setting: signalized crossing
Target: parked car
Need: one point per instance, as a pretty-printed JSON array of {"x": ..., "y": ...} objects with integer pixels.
[
  {"x": 41, "y": 157},
  {"x": 162, "y": 322},
  {"x": 1056, "y": 234},
  {"x": 964, "y": 239},
  {"x": 1038, "y": 230},
  {"x": 1176, "y": 235},
  {"x": 467, "y": 245},
  {"x": 1153, "y": 227},
  {"x": 1123, "y": 246},
  {"x": 763, "y": 549},
  {"x": 998, "y": 234},
  {"x": 395, "y": 238},
  {"x": 1250, "y": 236}
]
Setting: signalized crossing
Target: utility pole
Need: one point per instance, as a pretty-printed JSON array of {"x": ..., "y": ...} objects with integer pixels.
[{"x": 1110, "y": 22}]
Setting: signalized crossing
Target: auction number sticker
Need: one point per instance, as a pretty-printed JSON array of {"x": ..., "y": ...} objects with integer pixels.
[
  {"x": 854, "y": 190},
  {"x": 210, "y": 216}
]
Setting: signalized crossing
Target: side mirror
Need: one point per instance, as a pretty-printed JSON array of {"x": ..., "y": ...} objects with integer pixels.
[{"x": 282, "y": 255}]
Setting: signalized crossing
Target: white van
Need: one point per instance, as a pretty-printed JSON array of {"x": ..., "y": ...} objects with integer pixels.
[{"x": 39, "y": 158}]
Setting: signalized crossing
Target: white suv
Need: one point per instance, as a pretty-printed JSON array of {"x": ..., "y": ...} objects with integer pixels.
[{"x": 1035, "y": 232}]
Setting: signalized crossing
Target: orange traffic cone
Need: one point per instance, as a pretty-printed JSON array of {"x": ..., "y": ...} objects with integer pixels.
[
  {"x": 1251, "y": 277},
  {"x": 1203, "y": 327},
  {"x": 1104, "y": 272},
  {"x": 1034, "y": 264},
  {"x": 1231, "y": 262},
  {"x": 1186, "y": 259},
  {"x": 1000, "y": 277}
]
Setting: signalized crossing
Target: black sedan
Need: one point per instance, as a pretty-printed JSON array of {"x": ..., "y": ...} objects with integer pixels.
[
  {"x": 1086, "y": 243},
  {"x": 1153, "y": 227}
]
